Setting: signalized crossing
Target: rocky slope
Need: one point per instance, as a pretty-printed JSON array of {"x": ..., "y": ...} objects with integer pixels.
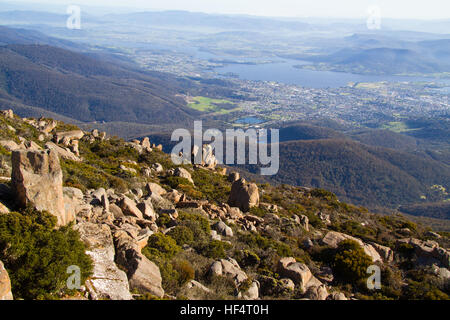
[{"x": 153, "y": 230}]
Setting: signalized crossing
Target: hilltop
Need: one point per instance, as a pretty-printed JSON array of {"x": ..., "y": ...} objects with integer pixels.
[{"x": 140, "y": 227}]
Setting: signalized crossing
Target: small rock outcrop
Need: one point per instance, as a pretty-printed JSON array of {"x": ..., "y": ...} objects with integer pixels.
[
  {"x": 183, "y": 173},
  {"x": 228, "y": 268},
  {"x": 37, "y": 178},
  {"x": 244, "y": 195}
]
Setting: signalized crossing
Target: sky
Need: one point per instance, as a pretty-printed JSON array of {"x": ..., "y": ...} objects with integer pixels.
[{"x": 400, "y": 9}]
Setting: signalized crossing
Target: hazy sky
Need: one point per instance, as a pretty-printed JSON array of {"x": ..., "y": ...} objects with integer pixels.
[{"x": 404, "y": 9}]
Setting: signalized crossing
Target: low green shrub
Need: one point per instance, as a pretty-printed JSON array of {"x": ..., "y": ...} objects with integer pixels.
[
  {"x": 182, "y": 235},
  {"x": 37, "y": 255},
  {"x": 350, "y": 261}
]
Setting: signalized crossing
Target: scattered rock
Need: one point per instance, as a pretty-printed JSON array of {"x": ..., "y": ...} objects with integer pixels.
[
  {"x": 64, "y": 153},
  {"x": 233, "y": 176},
  {"x": 228, "y": 268},
  {"x": 143, "y": 274},
  {"x": 223, "y": 229},
  {"x": 107, "y": 281},
  {"x": 183, "y": 173},
  {"x": 317, "y": 293},
  {"x": 253, "y": 292},
  {"x": 3, "y": 209},
  {"x": 296, "y": 271},
  {"x": 129, "y": 208},
  {"x": 155, "y": 188}
]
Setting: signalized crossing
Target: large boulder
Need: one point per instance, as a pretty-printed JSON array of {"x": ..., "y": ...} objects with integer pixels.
[
  {"x": 37, "y": 178},
  {"x": 243, "y": 195},
  {"x": 143, "y": 274},
  {"x": 428, "y": 252},
  {"x": 296, "y": 271},
  {"x": 64, "y": 153},
  {"x": 333, "y": 238},
  {"x": 5, "y": 284},
  {"x": 107, "y": 281}
]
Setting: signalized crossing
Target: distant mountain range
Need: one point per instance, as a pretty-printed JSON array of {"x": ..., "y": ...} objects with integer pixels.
[{"x": 385, "y": 55}]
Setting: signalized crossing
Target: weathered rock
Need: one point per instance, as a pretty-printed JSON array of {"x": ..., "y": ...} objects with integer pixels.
[
  {"x": 317, "y": 293},
  {"x": 147, "y": 210},
  {"x": 129, "y": 208},
  {"x": 337, "y": 296},
  {"x": 5, "y": 284},
  {"x": 243, "y": 195},
  {"x": 3, "y": 209},
  {"x": 385, "y": 252},
  {"x": 223, "y": 229},
  {"x": 215, "y": 236},
  {"x": 288, "y": 284},
  {"x": 143, "y": 274},
  {"x": 146, "y": 143},
  {"x": 69, "y": 136},
  {"x": 159, "y": 203},
  {"x": 64, "y": 153},
  {"x": 324, "y": 217},
  {"x": 304, "y": 222},
  {"x": 235, "y": 213},
  {"x": 429, "y": 252},
  {"x": 8, "y": 113},
  {"x": 333, "y": 238},
  {"x": 10, "y": 145},
  {"x": 195, "y": 290},
  {"x": 433, "y": 235},
  {"x": 228, "y": 268},
  {"x": 32, "y": 146},
  {"x": 174, "y": 196},
  {"x": 233, "y": 176},
  {"x": 47, "y": 127},
  {"x": 157, "y": 167},
  {"x": 155, "y": 188},
  {"x": 37, "y": 178},
  {"x": 107, "y": 281},
  {"x": 73, "y": 201},
  {"x": 183, "y": 173},
  {"x": 296, "y": 271},
  {"x": 273, "y": 208},
  {"x": 116, "y": 211},
  {"x": 253, "y": 292}
]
